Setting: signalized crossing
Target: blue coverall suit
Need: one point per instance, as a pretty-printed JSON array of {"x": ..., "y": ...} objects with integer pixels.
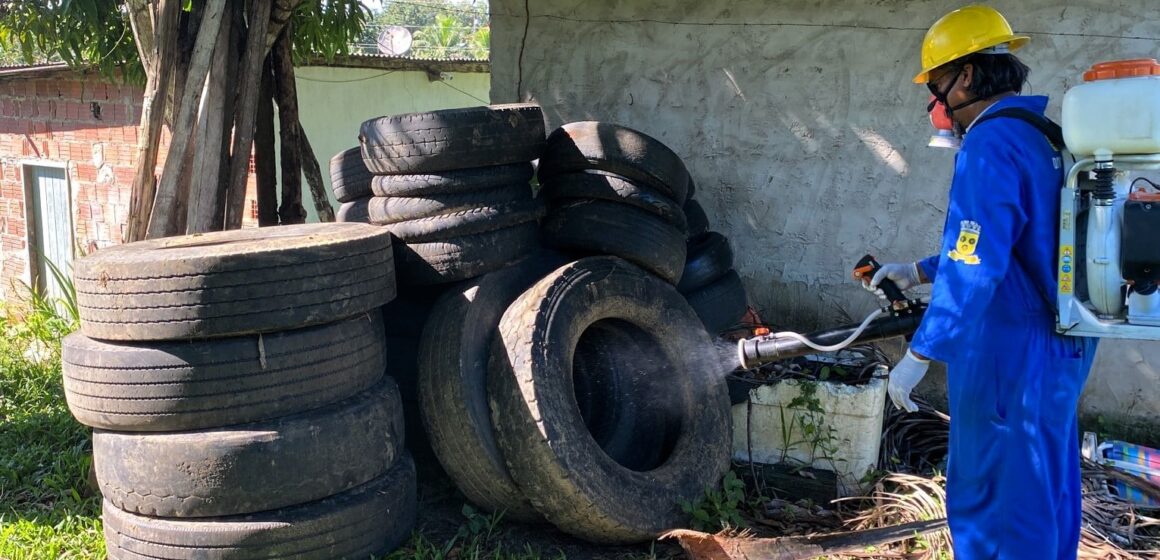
[{"x": 1013, "y": 479}]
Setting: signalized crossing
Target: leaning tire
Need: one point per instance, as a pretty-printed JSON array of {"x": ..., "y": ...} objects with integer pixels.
[
  {"x": 610, "y": 228},
  {"x": 601, "y": 185},
  {"x": 349, "y": 176},
  {"x": 720, "y": 305},
  {"x": 617, "y": 149},
  {"x": 452, "y": 182},
  {"x": 453, "y": 355},
  {"x": 234, "y": 282},
  {"x": 368, "y": 521},
  {"x": 453, "y": 139},
  {"x": 208, "y": 383},
  {"x": 544, "y": 438},
  {"x": 252, "y": 467},
  {"x": 460, "y": 258},
  {"x": 709, "y": 257}
]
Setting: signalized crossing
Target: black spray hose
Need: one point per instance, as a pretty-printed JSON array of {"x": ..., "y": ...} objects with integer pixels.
[{"x": 753, "y": 352}]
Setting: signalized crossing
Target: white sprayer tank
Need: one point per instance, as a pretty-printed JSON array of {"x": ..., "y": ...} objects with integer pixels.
[{"x": 1115, "y": 111}]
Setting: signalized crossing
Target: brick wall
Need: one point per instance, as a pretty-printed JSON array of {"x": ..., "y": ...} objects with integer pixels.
[{"x": 87, "y": 124}]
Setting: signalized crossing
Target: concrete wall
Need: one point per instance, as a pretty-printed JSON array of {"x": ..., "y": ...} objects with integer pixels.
[
  {"x": 801, "y": 127},
  {"x": 335, "y": 101}
]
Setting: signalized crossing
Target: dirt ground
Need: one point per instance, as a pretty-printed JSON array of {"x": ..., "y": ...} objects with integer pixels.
[{"x": 441, "y": 517}]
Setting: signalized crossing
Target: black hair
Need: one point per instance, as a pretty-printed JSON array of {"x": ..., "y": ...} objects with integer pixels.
[{"x": 995, "y": 74}]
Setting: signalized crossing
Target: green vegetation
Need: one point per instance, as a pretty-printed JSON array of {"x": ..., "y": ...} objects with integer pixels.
[
  {"x": 440, "y": 28},
  {"x": 720, "y": 508},
  {"x": 47, "y": 508},
  {"x": 98, "y": 33}
]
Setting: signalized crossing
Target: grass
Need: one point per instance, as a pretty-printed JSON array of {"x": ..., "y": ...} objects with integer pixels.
[{"x": 47, "y": 509}]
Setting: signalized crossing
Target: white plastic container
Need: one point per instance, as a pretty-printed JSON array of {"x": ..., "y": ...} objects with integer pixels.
[
  {"x": 844, "y": 438},
  {"x": 1115, "y": 110}
]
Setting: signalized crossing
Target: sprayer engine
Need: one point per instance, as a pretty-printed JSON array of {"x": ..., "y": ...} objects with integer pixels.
[{"x": 1109, "y": 261}]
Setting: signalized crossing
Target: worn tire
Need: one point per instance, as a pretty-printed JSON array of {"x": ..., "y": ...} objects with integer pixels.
[
  {"x": 697, "y": 220},
  {"x": 252, "y": 467},
  {"x": 234, "y": 282},
  {"x": 209, "y": 383},
  {"x": 452, "y": 182},
  {"x": 460, "y": 258},
  {"x": 467, "y": 222},
  {"x": 721, "y": 304},
  {"x": 355, "y": 211},
  {"x": 709, "y": 257},
  {"x": 543, "y": 437},
  {"x": 453, "y": 139},
  {"x": 368, "y": 521},
  {"x": 349, "y": 176},
  {"x": 609, "y": 228},
  {"x": 692, "y": 190},
  {"x": 453, "y": 355},
  {"x": 601, "y": 185},
  {"x": 394, "y": 209},
  {"x": 618, "y": 149}
]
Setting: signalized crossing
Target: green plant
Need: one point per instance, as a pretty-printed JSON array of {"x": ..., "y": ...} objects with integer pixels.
[
  {"x": 718, "y": 508},
  {"x": 812, "y": 431}
]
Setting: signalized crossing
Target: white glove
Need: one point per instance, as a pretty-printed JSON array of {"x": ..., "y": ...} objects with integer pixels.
[
  {"x": 904, "y": 378},
  {"x": 904, "y": 275}
]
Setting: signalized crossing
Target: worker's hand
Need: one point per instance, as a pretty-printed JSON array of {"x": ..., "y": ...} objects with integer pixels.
[
  {"x": 904, "y": 378},
  {"x": 904, "y": 275}
]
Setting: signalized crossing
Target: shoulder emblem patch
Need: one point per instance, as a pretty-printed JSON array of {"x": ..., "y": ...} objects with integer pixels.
[{"x": 964, "y": 250}]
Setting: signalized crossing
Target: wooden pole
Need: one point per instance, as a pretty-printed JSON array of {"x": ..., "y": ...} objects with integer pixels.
[
  {"x": 164, "y": 220},
  {"x": 204, "y": 210},
  {"x": 152, "y": 115},
  {"x": 286, "y": 95},
  {"x": 251, "y": 75},
  {"x": 314, "y": 179},
  {"x": 264, "y": 163}
]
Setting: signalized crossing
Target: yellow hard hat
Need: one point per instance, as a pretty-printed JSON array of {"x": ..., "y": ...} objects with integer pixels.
[{"x": 965, "y": 31}]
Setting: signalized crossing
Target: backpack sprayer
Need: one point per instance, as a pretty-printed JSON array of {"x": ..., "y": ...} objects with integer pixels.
[{"x": 1108, "y": 269}]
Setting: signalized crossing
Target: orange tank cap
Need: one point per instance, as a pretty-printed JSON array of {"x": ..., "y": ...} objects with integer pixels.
[{"x": 1131, "y": 68}]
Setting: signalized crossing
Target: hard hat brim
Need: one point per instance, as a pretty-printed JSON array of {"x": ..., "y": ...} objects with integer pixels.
[{"x": 1014, "y": 42}]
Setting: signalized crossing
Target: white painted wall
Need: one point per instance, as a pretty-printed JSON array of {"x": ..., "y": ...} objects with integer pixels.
[
  {"x": 801, "y": 127},
  {"x": 334, "y": 102}
]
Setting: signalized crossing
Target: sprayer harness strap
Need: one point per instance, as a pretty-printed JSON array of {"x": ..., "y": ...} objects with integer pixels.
[
  {"x": 1054, "y": 135},
  {"x": 1052, "y": 131}
]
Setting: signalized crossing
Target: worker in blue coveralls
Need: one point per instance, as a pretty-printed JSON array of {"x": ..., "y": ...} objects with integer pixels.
[{"x": 1013, "y": 479}]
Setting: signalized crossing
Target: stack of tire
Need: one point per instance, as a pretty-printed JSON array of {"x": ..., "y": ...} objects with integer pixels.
[
  {"x": 452, "y": 186},
  {"x": 234, "y": 381},
  {"x": 613, "y": 190},
  {"x": 708, "y": 280}
]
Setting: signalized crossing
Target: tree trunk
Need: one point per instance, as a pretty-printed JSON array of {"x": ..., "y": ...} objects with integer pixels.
[
  {"x": 211, "y": 161},
  {"x": 279, "y": 17},
  {"x": 264, "y": 168},
  {"x": 251, "y": 74},
  {"x": 286, "y": 95},
  {"x": 152, "y": 115},
  {"x": 165, "y": 207},
  {"x": 314, "y": 179},
  {"x": 141, "y": 21}
]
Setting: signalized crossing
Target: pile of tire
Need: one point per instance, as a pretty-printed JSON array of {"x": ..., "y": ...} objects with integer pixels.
[
  {"x": 234, "y": 381},
  {"x": 708, "y": 280},
  {"x": 452, "y": 186},
  {"x": 576, "y": 385}
]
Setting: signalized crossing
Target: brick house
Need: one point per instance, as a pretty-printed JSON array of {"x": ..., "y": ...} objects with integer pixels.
[{"x": 67, "y": 145}]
